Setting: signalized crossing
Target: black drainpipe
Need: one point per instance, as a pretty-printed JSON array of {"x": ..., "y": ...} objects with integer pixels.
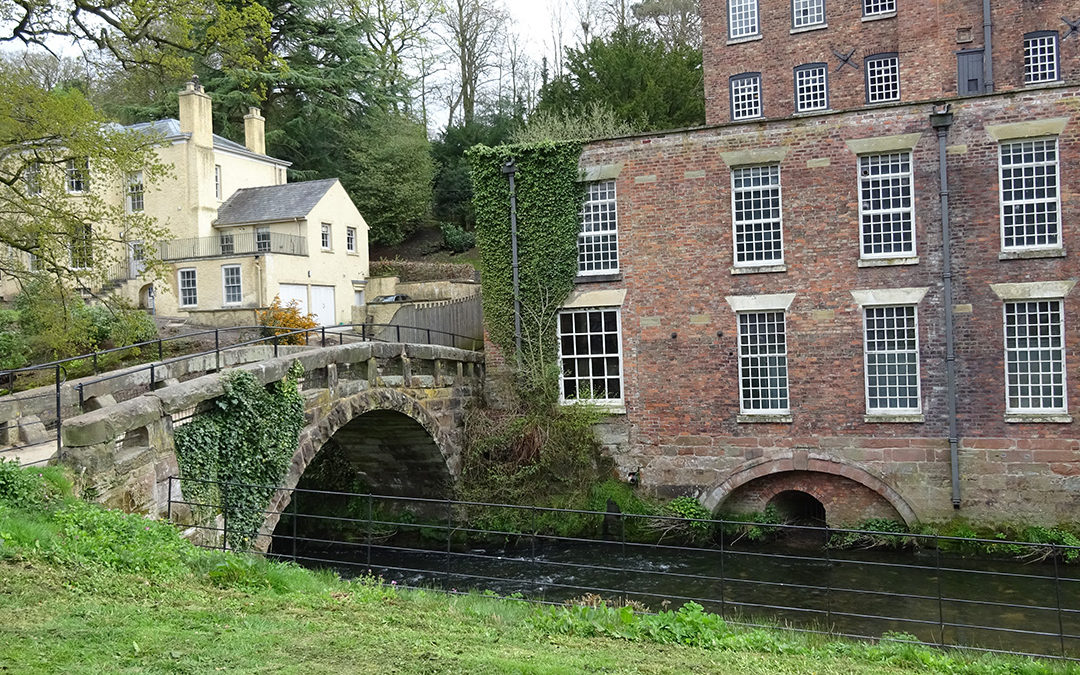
[
  {"x": 988, "y": 49},
  {"x": 941, "y": 120}
]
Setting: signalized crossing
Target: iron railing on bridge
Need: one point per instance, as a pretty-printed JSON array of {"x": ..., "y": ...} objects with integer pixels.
[
  {"x": 809, "y": 578},
  {"x": 324, "y": 335}
]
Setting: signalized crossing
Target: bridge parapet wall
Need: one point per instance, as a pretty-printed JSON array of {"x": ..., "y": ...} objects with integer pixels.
[{"x": 124, "y": 452}]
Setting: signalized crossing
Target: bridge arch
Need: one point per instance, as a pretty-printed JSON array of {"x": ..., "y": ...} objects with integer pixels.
[{"x": 784, "y": 469}]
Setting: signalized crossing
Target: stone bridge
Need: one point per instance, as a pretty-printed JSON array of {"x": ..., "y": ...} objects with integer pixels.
[{"x": 396, "y": 409}]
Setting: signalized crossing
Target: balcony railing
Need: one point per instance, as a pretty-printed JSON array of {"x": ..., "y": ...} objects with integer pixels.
[{"x": 245, "y": 243}]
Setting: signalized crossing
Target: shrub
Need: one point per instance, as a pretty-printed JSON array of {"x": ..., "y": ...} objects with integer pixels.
[
  {"x": 456, "y": 238},
  {"x": 28, "y": 487},
  {"x": 278, "y": 319}
]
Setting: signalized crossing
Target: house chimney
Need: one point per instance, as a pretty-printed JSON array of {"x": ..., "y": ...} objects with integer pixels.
[
  {"x": 196, "y": 117},
  {"x": 255, "y": 131}
]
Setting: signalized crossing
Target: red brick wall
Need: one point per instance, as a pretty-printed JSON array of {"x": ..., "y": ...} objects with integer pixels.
[
  {"x": 846, "y": 502},
  {"x": 923, "y": 32}
]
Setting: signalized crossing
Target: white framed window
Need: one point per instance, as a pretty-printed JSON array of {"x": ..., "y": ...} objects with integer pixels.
[
  {"x": 1030, "y": 196},
  {"x": 877, "y": 7},
  {"x": 598, "y": 238},
  {"x": 812, "y": 87},
  {"x": 1041, "y": 57},
  {"x": 1035, "y": 356},
  {"x": 763, "y": 368},
  {"x": 746, "y": 96},
  {"x": 82, "y": 246},
  {"x": 231, "y": 288},
  {"x": 262, "y": 239},
  {"x": 757, "y": 221},
  {"x": 77, "y": 174},
  {"x": 886, "y": 205},
  {"x": 805, "y": 13},
  {"x": 189, "y": 292},
  {"x": 217, "y": 181},
  {"x": 228, "y": 244},
  {"x": 742, "y": 18},
  {"x": 325, "y": 239},
  {"x": 135, "y": 194},
  {"x": 891, "y": 358},
  {"x": 350, "y": 239},
  {"x": 590, "y": 354},
  {"x": 882, "y": 78},
  {"x": 32, "y": 179}
]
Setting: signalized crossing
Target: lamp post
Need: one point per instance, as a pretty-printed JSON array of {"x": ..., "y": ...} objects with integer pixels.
[{"x": 509, "y": 169}]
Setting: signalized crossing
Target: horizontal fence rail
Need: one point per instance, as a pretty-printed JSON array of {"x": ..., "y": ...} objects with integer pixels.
[{"x": 803, "y": 578}]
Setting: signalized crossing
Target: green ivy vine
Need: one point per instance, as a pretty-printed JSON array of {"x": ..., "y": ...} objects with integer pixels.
[
  {"x": 549, "y": 195},
  {"x": 247, "y": 439}
]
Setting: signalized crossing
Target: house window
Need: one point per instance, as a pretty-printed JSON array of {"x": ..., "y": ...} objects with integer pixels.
[
  {"x": 756, "y": 219},
  {"x": 598, "y": 239},
  {"x": 1034, "y": 357},
  {"x": 763, "y": 372},
  {"x": 135, "y": 201},
  {"x": 746, "y": 96},
  {"x": 742, "y": 18},
  {"x": 358, "y": 298},
  {"x": 350, "y": 239},
  {"x": 811, "y": 87},
  {"x": 326, "y": 236},
  {"x": 230, "y": 281},
  {"x": 227, "y": 244},
  {"x": 32, "y": 179},
  {"x": 217, "y": 181},
  {"x": 1041, "y": 57},
  {"x": 78, "y": 175},
  {"x": 891, "y": 356},
  {"x": 877, "y": 7},
  {"x": 806, "y": 13},
  {"x": 1030, "y": 202},
  {"x": 189, "y": 294},
  {"x": 882, "y": 78},
  {"x": 262, "y": 239},
  {"x": 82, "y": 247},
  {"x": 590, "y": 354},
  {"x": 886, "y": 205}
]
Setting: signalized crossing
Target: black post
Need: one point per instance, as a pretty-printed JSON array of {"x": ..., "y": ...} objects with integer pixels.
[
  {"x": 723, "y": 579},
  {"x": 151, "y": 376},
  {"x": 159, "y": 352},
  {"x": 828, "y": 588},
  {"x": 79, "y": 388},
  {"x": 295, "y": 499},
  {"x": 59, "y": 413},
  {"x": 369, "y": 500},
  {"x": 510, "y": 169},
  {"x": 170, "y": 499},
  {"x": 95, "y": 362},
  {"x": 224, "y": 518},
  {"x": 449, "y": 531},
  {"x": 398, "y": 330},
  {"x": 275, "y": 341},
  {"x": 217, "y": 349},
  {"x": 940, "y": 603},
  {"x": 429, "y": 336},
  {"x": 1057, "y": 594},
  {"x": 322, "y": 329},
  {"x": 622, "y": 554}
]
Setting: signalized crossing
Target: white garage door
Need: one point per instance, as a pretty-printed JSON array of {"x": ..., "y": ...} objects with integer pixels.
[
  {"x": 322, "y": 305},
  {"x": 297, "y": 292}
]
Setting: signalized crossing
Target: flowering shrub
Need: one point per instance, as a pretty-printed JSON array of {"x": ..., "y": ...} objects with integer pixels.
[{"x": 278, "y": 319}]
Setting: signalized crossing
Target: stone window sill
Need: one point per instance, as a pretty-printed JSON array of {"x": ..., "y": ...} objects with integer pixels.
[
  {"x": 888, "y": 262},
  {"x": 879, "y": 17},
  {"x": 894, "y": 419},
  {"x": 606, "y": 408},
  {"x": 759, "y": 269},
  {"x": 744, "y": 418},
  {"x": 748, "y": 38},
  {"x": 1032, "y": 253},
  {"x": 807, "y": 29},
  {"x": 597, "y": 278},
  {"x": 1038, "y": 418}
]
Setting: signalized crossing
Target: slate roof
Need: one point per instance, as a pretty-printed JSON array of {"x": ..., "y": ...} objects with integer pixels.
[
  {"x": 169, "y": 129},
  {"x": 273, "y": 203}
]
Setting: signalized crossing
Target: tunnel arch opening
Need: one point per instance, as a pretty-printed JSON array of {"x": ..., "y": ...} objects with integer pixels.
[{"x": 796, "y": 507}]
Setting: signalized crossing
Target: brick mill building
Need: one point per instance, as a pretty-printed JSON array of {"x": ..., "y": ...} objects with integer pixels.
[{"x": 768, "y": 304}]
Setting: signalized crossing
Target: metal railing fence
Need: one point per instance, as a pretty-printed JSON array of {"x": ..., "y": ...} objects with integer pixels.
[
  {"x": 1009, "y": 606},
  {"x": 232, "y": 243}
]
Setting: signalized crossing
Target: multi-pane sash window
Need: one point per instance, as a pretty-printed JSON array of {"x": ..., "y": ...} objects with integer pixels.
[
  {"x": 590, "y": 353},
  {"x": 32, "y": 179},
  {"x": 883, "y": 78},
  {"x": 746, "y": 96},
  {"x": 227, "y": 242},
  {"x": 350, "y": 239},
  {"x": 262, "y": 239},
  {"x": 811, "y": 87},
  {"x": 598, "y": 239},
  {"x": 875, "y": 7},
  {"x": 763, "y": 370},
  {"x": 892, "y": 360},
  {"x": 742, "y": 18},
  {"x": 325, "y": 236},
  {"x": 886, "y": 205},
  {"x": 135, "y": 201},
  {"x": 1034, "y": 356},
  {"x": 807, "y": 13},
  {"x": 78, "y": 175},
  {"x": 189, "y": 294},
  {"x": 1030, "y": 200},
  {"x": 82, "y": 246},
  {"x": 217, "y": 181},
  {"x": 1041, "y": 57},
  {"x": 756, "y": 215},
  {"x": 230, "y": 277}
]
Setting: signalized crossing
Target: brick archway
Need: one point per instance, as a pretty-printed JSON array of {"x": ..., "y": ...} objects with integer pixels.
[{"x": 801, "y": 462}]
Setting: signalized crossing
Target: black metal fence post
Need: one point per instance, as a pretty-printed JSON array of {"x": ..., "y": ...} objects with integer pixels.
[
  {"x": 217, "y": 349},
  {"x": 723, "y": 578},
  {"x": 295, "y": 517},
  {"x": 369, "y": 500},
  {"x": 159, "y": 350},
  {"x": 449, "y": 532},
  {"x": 828, "y": 586},
  {"x": 224, "y": 518},
  {"x": 398, "y": 330},
  {"x": 622, "y": 552},
  {"x": 151, "y": 376},
  {"x": 59, "y": 413},
  {"x": 95, "y": 362},
  {"x": 322, "y": 329},
  {"x": 169, "y": 511},
  {"x": 275, "y": 341},
  {"x": 1057, "y": 594},
  {"x": 940, "y": 601}
]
